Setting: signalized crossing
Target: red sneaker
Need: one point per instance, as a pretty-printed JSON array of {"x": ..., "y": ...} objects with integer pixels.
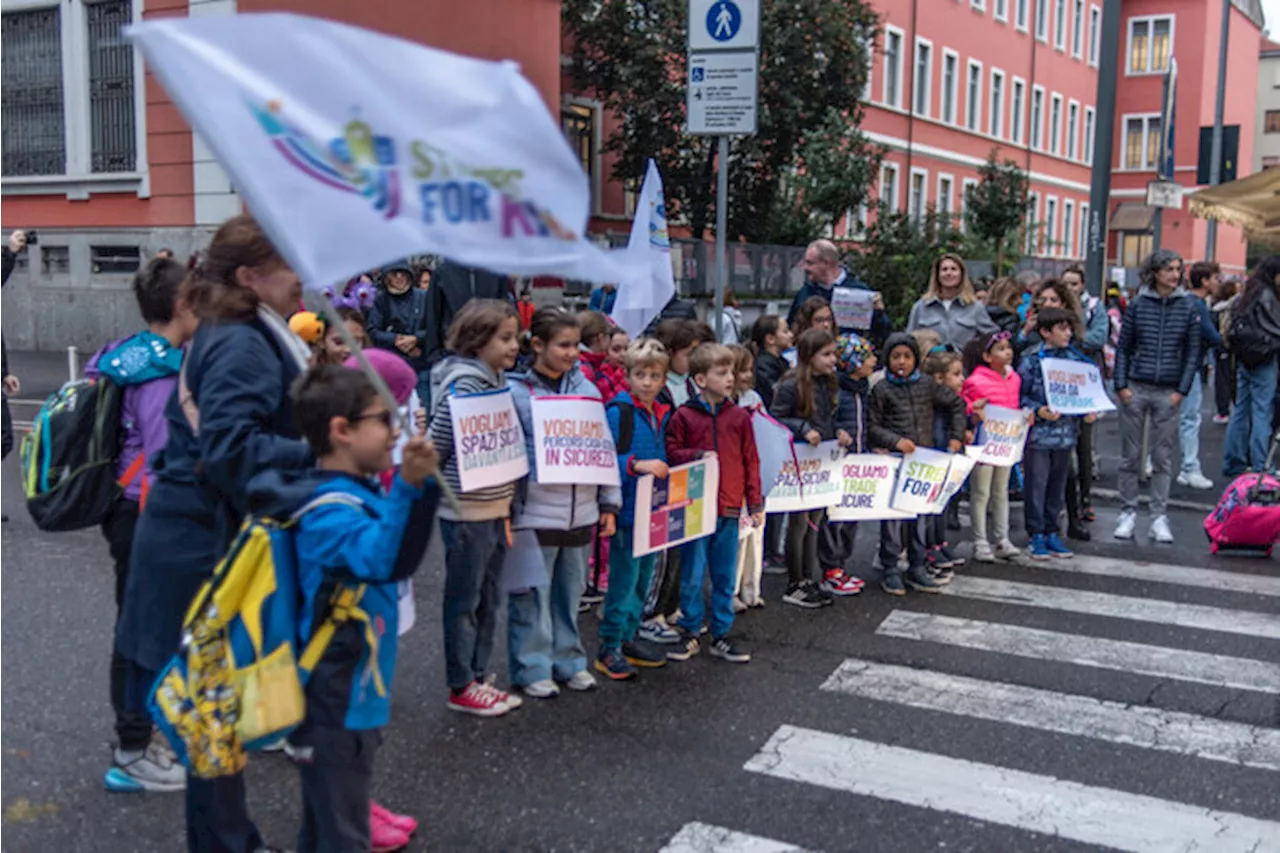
[
  {"x": 402, "y": 822},
  {"x": 383, "y": 837},
  {"x": 478, "y": 700},
  {"x": 838, "y": 583}
]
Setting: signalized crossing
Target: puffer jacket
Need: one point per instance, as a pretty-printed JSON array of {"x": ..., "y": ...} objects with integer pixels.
[
  {"x": 459, "y": 375},
  {"x": 1159, "y": 341},
  {"x": 855, "y": 391},
  {"x": 556, "y": 506},
  {"x": 828, "y": 416},
  {"x": 986, "y": 384},
  {"x": 957, "y": 325},
  {"x": 769, "y": 369},
  {"x": 697, "y": 427},
  {"x": 904, "y": 408},
  {"x": 1047, "y": 435}
]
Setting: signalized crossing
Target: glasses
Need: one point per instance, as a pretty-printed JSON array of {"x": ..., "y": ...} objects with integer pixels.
[{"x": 387, "y": 417}]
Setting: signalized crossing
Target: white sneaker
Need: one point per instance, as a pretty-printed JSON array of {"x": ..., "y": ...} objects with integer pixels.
[
  {"x": 1006, "y": 550},
  {"x": 147, "y": 770},
  {"x": 656, "y": 631},
  {"x": 1195, "y": 480},
  {"x": 544, "y": 689},
  {"x": 1124, "y": 527},
  {"x": 1160, "y": 531},
  {"x": 982, "y": 552},
  {"x": 739, "y": 606},
  {"x": 581, "y": 681}
]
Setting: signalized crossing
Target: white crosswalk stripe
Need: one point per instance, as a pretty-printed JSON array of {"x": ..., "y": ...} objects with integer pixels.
[
  {"x": 1267, "y": 585},
  {"x": 1140, "y": 658},
  {"x": 705, "y": 838}
]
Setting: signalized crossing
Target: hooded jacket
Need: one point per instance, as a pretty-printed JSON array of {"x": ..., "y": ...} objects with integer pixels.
[
  {"x": 457, "y": 376},
  {"x": 1047, "y": 435},
  {"x": 904, "y": 408},
  {"x": 408, "y": 313},
  {"x": 647, "y": 442},
  {"x": 556, "y": 506},
  {"x": 725, "y": 428},
  {"x": 378, "y": 545},
  {"x": 1159, "y": 341}
]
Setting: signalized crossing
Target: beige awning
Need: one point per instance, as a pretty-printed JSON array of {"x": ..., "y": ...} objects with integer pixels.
[
  {"x": 1253, "y": 203},
  {"x": 1131, "y": 216}
]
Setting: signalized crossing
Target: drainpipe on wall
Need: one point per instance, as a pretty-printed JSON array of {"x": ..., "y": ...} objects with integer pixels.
[{"x": 911, "y": 103}]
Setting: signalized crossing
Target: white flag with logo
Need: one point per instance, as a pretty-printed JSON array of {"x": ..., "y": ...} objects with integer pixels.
[
  {"x": 353, "y": 148},
  {"x": 651, "y": 288}
]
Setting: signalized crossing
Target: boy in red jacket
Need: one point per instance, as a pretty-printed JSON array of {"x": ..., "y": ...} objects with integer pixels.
[{"x": 710, "y": 424}]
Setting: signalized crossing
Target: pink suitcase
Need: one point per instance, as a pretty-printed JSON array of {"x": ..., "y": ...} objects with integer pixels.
[{"x": 1248, "y": 515}]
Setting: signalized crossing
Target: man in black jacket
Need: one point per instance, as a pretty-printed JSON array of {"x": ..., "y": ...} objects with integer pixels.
[
  {"x": 823, "y": 274},
  {"x": 1156, "y": 362},
  {"x": 400, "y": 320}
]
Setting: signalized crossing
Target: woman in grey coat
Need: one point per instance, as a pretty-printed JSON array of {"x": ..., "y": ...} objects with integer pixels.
[{"x": 950, "y": 307}]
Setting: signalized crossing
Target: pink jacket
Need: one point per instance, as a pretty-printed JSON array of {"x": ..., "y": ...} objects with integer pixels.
[{"x": 996, "y": 389}]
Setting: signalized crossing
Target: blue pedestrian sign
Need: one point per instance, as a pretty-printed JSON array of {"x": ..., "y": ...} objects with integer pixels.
[
  {"x": 724, "y": 25},
  {"x": 724, "y": 19}
]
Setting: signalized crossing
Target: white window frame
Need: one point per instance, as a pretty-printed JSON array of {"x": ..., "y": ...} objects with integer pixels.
[
  {"x": 1095, "y": 33},
  {"x": 1060, "y": 12},
  {"x": 889, "y": 29},
  {"x": 869, "y": 43},
  {"x": 1033, "y": 223},
  {"x": 954, "y": 93},
  {"x": 923, "y": 175},
  {"x": 928, "y": 78},
  {"x": 950, "y": 180},
  {"x": 965, "y": 185},
  {"x": 1150, "y": 20},
  {"x": 891, "y": 203},
  {"x": 1069, "y": 228},
  {"x": 1036, "y": 136},
  {"x": 1042, "y": 20},
  {"x": 1089, "y": 130},
  {"x": 1000, "y": 11},
  {"x": 1050, "y": 226},
  {"x": 1084, "y": 230},
  {"x": 597, "y": 138},
  {"x": 1017, "y": 109},
  {"x": 973, "y": 111},
  {"x": 1072, "y": 148},
  {"x": 1077, "y": 28},
  {"x": 1055, "y": 133},
  {"x": 1146, "y": 119},
  {"x": 995, "y": 111},
  {"x": 978, "y": 5},
  {"x": 1021, "y": 12},
  {"x": 77, "y": 182}
]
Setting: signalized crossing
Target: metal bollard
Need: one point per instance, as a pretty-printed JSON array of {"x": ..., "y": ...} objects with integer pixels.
[{"x": 73, "y": 364}]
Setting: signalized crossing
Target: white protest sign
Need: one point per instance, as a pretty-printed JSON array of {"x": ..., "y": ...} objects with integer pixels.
[
  {"x": 1074, "y": 387},
  {"x": 572, "y": 442},
  {"x": 920, "y": 481},
  {"x": 868, "y": 489},
  {"x": 488, "y": 439},
  {"x": 676, "y": 510},
  {"x": 853, "y": 308},
  {"x": 956, "y": 475},
  {"x": 1001, "y": 438},
  {"x": 811, "y": 479},
  {"x": 773, "y": 444}
]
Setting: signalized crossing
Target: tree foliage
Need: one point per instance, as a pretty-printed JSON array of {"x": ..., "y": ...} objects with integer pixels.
[
  {"x": 807, "y": 163},
  {"x": 996, "y": 208},
  {"x": 896, "y": 255}
]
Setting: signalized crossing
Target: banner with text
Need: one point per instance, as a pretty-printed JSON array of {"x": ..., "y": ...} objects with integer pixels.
[
  {"x": 920, "y": 481},
  {"x": 957, "y": 473},
  {"x": 1001, "y": 438},
  {"x": 852, "y": 308},
  {"x": 572, "y": 442},
  {"x": 488, "y": 439},
  {"x": 810, "y": 479},
  {"x": 868, "y": 481},
  {"x": 1074, "y": 387},
  {"x": 678, "y": 509}
]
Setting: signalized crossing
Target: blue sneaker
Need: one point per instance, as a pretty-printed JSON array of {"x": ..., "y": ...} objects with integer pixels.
[
  {"x": 1054, "y": 545},
  {"x": 1038, "y": 549}
]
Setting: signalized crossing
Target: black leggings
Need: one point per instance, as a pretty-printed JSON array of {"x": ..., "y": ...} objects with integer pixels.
[{"x": 802, "y": 544}]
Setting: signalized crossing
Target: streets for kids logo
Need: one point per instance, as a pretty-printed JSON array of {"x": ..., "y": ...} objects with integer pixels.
[{"x": 449, "y": 192}]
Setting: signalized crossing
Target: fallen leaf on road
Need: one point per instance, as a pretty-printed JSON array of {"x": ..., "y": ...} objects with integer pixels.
[{"x": 24, "y": 811}]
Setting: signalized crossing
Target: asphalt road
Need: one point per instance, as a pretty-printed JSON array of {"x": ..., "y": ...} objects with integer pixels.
[{"x": 930, "y": 733}]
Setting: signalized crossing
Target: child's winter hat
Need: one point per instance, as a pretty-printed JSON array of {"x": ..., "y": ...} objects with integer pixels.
[
  {"x": 398, "y": 375},
  {"x": 852, "y": 351},
  {"x": 902, "y": 339}
]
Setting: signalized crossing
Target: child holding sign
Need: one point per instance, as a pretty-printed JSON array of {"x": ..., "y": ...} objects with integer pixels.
[
  {"x": 1052, "y": 441},
  {"x": 542, "y": 622},
  {"x": 988, "y": 360},
  {"x": 485, "y": 339},
  {"x": 901, "y": 418}
]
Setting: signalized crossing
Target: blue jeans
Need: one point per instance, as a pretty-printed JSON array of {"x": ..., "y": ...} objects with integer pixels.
[
  {"x": 1249, "y": 432},
  {"x": 542, "y": 623},
  {"x": 629, "y": 579},
  {"x": 1189, "y": 427},
  {"x": 1045, "y": 492},
  {"x": 474, "y": 552},
  {"x": 716, "y": 555}
]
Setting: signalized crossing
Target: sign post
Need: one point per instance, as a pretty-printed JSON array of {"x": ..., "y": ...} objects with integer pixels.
[{"x": 722, "y": 98}]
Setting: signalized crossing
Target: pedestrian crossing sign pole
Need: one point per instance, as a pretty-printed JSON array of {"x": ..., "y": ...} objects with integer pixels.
[{"x": 722, "y": 97}]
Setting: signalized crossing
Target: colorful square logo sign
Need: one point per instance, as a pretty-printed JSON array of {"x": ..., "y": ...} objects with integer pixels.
[
  {"x": 676, "y": 520},
  {"x": 679, "y": 488},
  {"x": 659, "y": 493},
  {"x": 697, "y": 483},
  {"x": 658, "y": 529}
]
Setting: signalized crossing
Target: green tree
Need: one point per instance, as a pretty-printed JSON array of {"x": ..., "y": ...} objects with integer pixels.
[
  {"x": 807, "y": 155},
  {"x": 897, "y": 252},
  {"x": 996, "y": 208}
]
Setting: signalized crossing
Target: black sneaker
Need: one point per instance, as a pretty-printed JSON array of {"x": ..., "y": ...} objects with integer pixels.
[
  {"x": 919, "y": 579},
  {"x": 891, "y": 583},
  {"x": 1077, "y": 531},
  {"x": 685, "y": 649},
  {"x": 643, "y": 655},
  {"x": 591, "y": 595},
  {"x": 611, "y": 664},
  {"x": 949, "y": 559},
  {"x": 729, "y": 650},
  {"x": 803, "y": 595}
]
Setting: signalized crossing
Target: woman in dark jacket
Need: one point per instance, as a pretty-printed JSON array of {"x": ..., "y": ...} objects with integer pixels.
[
  {"x": 230, "y": 419},
  {"x": 1002, "y": 305}
]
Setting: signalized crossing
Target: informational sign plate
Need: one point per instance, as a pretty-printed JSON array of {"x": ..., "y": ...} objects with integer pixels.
[
  {"x": 722, "y": 93},
  {"x": 1167, "y": 194},
  {"x": 724, "y": 24}
]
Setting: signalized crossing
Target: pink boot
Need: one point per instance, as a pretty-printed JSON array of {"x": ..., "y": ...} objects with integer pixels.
[{"x": 402, "y": 822}]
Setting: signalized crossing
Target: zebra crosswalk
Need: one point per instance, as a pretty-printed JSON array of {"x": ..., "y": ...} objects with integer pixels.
[{"x": 1062, "y": 802}]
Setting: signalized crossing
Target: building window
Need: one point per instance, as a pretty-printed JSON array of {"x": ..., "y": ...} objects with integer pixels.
[
  {"x": 1001, "y": 11},
  {"x": 950, "y": 82},
  {"x": 869, "y": 55},
  {"x": 892, "y": 67},
  {"x": 1141, "y": 141},
  {"x": 115, "y": 260},
  {"x": 978, "y": 5},
  {"x": 54, "y": 260},
  {"x": 80, "y": 124},
  {"x": 1050, "y": 225},
  {"x": 1042, "y": 20},
  {"x": 923, "y": 76},
  {"x": 996, "y": 113},
  {"x": 1037, "y": 118},
  {"x": 1055, "y": 124},
  {"x": 919, "y": 194},
  {"x": 1033, "y": 224},
  {"x": 1015, "y": 111},
  {"x": 889, "y": 185},
  {"x": 1068, "y": 228},
  {"x": 966, "y": 191},
  {"x": 1060, "y": 24},
  {"x": 1073, "y": 127},
  {"x": 945, "y": 203},
  {"x": 1095, "y": 34},
  {"x": 973, "y": 102},
  {"x": 1272, "y": 122},
  {"x": 578, "y": 120},
  {"x": 1150, "y": 44},
  {"x": 1088, "y": 136},
  {"x": 1077, "y": 28},
  {"x": 1020, "y": 14},
  {"x": 1134, "y": 248},
  {"x": 1083, "y": 252}
]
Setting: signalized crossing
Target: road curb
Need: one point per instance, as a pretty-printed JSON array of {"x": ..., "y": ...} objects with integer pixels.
[{"x": 1177, "y": 503}]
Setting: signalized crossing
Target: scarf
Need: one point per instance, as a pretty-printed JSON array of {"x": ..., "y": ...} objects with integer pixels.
[{"x": 290, "y": 343}]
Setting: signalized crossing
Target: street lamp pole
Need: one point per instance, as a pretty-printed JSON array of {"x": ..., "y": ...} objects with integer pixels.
[
  {"x": 1215, "y": 149},
  {"x": 1103, "y": 143}
]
